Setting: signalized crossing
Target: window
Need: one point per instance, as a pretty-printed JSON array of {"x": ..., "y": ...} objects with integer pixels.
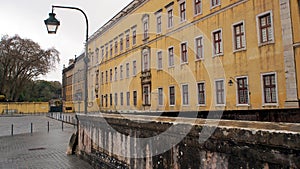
[
  {"x": 184, "y": 57},
  {"x": 198, "y": 7},
  {"x": 146, "y": 26},
  {"x": 116, "y": 99},
  {"x": 146, "y": 60},
  {"x": 146, "y": 94},
  {"x": 102, "y": 77},
  {"x": 170, "y": 18},
  {"x": 239, "y": 36},
  {"x": 121, "y": 43},
  {"x": 116, "y": 73},
  {"x": 133, "y": 36},
  {"x": 269, "y": 88},
  {"x": 172, "y": 95},
  {"x": 106, "y": 76},
  {"x": 182, "y": 11},
  {"x": 217, "y": 40},
  {"x": 199, "y": 48},
  {"x": 134, "y": 98},
  {"x": 185, "y": 94},
  {"x": 215, "y": 3},
  {"x": 102, "y": 101},
  {"x": 127, "y": 40},
  {"x": 242, "y": 90},
  {"x": 160, "y": 97},
  {"x": 201, "y": 93},
  {"x": 121, "y": 72},
  {"x": 171, "y": 56},
  {"x": 159, "y": 60},
  {"x": 121, "y": 99},
  {"x": 110, "y": 99},
  {"x": 134, "y": 68},
  {"x": 128, "y": 98},
  {"x": 110, "y": 73},
  {"x": 116, "y": 46},
  {"x": 220, "y": 93},
  {"x": 106, "y": 51},
  {"x": 111, "y": 49},
  {"x": 265, "y": 28},
  {"x": 158, "y": 23},
  {"x": 127, "y": 70},
  {"x": 102, "y": 52},
  {"x": 106, "y": 100}
]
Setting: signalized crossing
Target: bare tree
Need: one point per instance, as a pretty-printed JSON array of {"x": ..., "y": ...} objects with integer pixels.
[{"x": 21, "y": 60}]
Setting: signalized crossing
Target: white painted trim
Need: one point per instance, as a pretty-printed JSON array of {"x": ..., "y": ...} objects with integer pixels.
[
  {"x": 162, "y": 96},
  {"x": 187, "y": 53},
  {"x": 172, "y": 105},
  {"x": 179, "y": 10},
  {"x": 201, "y": 105},
  {"x": 215, "y": 92},
  {"x": 233, "y": 37},
  {"x": 213, "y": 45},
  {"x": 169, "y": 66},
  {"x": 212, "y": 7},
  {"x": 159, "y": 51},
  {"x": 195, "y": 47},
  {"x": 237, "y": 94},
  {"x": 262, "y": 89},
  {"x": 258, "y": 28},
  {"x": 188, "y": 92},
  {"x": 195, "y": 7}
]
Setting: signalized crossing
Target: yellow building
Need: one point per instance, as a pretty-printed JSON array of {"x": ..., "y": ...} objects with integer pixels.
[
  {"x": 67, "y": 87},
  {"x": 188, "y": 55}
]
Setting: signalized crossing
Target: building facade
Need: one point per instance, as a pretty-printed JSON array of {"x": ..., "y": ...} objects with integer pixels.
[
  {"x": 194, "y": 55},
  {"x": 67, "y": 87}
]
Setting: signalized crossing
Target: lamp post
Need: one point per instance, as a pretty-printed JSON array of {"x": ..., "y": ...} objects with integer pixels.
[{"x": 52, "y": 24}]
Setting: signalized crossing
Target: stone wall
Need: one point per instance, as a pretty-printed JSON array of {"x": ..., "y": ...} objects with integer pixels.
[{"x": 138, "y": 142}]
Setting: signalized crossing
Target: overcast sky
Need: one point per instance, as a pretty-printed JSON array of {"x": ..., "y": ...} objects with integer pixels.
[{"x": 26, "y": 18}]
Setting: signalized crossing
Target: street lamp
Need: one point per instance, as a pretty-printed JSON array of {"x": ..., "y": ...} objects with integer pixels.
[{"x": 52, "y": 24}]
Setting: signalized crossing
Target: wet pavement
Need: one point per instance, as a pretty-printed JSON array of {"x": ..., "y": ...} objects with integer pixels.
[{"x": 40, "y": 149}]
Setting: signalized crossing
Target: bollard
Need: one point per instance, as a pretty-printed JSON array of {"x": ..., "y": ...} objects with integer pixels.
[
  {"x": 12, "y": 129},
  {"x": 69, "y": 119},
  {"x": 31, "y": 129},
  {"x": 48, "y": 126},
  {"x": 62, "y": 125}
]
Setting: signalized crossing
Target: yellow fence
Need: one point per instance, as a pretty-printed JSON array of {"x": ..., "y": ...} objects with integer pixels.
[{"x": 24, "y": 107}]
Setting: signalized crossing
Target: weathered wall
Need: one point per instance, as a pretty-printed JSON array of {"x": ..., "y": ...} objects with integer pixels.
[
  {"x": 114, "y": 141},
  {"x": 24, "y": 107}
]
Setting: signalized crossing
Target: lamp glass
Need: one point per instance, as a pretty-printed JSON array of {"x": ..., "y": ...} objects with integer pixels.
[{"x": 52, "y": 23}]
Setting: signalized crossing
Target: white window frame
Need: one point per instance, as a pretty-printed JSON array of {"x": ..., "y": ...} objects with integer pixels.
[
  {"x": 179, "y": 12},
  {"x": 263, "y": 92},
  {"x": 134, "y": 38},
  {"x": 234, "y": 37},
  {"x": 200, "y": 104},
  {"x": 121, "y": 72},
  {"x": 160, "y": 97},
  {"x": 170, "y": 24},
  {"x": 237, "y": 92},
  {"x": 116, "y": 99},
  {"x": 127, "y": 98},
  {"x": 121, "y": 41},
  {"x": 187, "y": 52},
  {"x": 134, "y": 68},
  {"x": 146, "y": 52},
  {"x": 121, "y": 99},
  {"x": 159, "y": 58},
  {"x": 213, "y": 42},
  {"x": 196, "y": 46},
  {"x": 183, "y": 101},
  {"x": 172, "y": 105},
  {"x": 116, "y": 73},
  {"x": 148, "y": 101},
  {"x": 194, "y": 5},
  {"x": 127, "y": 70},
  {"x": 146, "y": 26},
  {"x": 214, "y": 5},
  {"x": 158, "y": 26},
  {"x": 169, "y": 63},
  {"x": 127, "y": 37},
  {"x": 215, "y": 93},
  {"x": 259, "y": 30}
]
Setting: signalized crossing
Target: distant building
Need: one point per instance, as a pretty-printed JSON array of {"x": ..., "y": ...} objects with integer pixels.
[
  {"x": 78, "y": 83},
  {"x": 67, "y": 87},
  {"x": 197, "y": 55}
]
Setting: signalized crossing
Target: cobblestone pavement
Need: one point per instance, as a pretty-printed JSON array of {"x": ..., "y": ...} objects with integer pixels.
[{"x": 39, "y": 149}]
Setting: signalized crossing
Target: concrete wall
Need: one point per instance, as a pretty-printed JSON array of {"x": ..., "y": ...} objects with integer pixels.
[
  {"x": 130, "y": 141},
  {"x": 24, "y": 107}
]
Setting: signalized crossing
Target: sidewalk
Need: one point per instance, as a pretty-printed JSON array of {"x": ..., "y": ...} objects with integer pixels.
[{"x": 39, "y": 149}]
